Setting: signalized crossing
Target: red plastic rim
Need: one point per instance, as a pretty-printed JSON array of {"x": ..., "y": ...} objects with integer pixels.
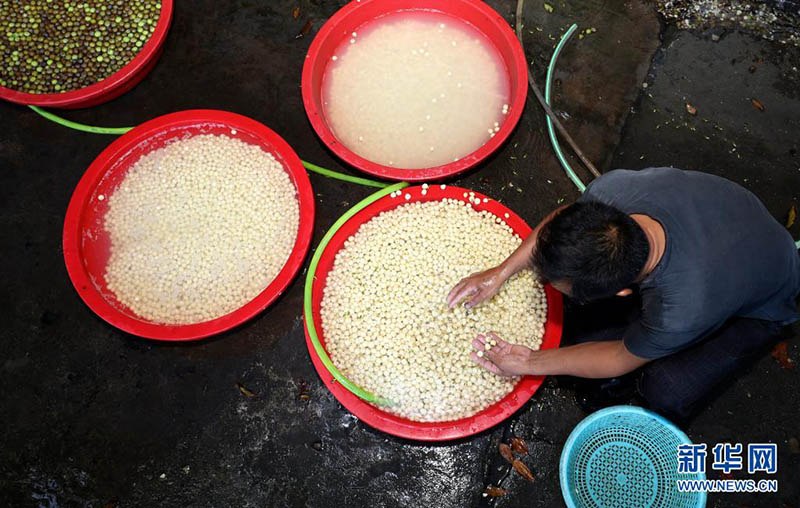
[
  {"x": 111, "y": 87},
  {"x": 402, "y": 427},
  {"x": 355, "y": 14},
  {"x": 86, "y": 243}
]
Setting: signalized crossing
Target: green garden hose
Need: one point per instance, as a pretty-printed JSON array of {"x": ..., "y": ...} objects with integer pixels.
[
  {"x": 122, "y": 130},
  {"x": 550, "y": 130},
  {"x": 80, "y": 126},
  {"x": 311, "y": 275},
  {"x": 343, "y": 177}
]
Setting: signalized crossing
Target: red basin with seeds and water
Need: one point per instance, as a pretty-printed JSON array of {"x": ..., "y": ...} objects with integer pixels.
[
  {"x": 403, "y": 427},
  {"x": 86, "y": 243}
]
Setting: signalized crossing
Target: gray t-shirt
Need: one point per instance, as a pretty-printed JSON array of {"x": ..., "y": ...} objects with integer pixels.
[{"x": 725, "y": 256}]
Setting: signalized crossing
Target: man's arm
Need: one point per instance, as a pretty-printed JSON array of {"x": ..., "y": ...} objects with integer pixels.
[
  {"x": 521, "y": 257},
  {"x": 589, "y": 360}
]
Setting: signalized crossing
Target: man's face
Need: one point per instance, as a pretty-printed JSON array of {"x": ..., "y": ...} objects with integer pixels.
[{"x": 563, "y": 286}]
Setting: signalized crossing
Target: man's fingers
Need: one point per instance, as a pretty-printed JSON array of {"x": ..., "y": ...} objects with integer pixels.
[
  {"x": 500, "y": 342},
  {"x": 478, "y": 296},
  {"x": 453, "y": 292},
  {"x": 492, "y": 355},
  {"x": 479, "y": 343},
  {"x": 486, "y": 364},
  {"x": 463, "y": 292}
]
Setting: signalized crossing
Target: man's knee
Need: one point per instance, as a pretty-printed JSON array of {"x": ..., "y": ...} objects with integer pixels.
[{"x": 664, "y": 394}]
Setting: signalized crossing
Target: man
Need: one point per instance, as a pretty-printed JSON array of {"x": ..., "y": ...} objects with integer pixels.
[{"x": 716, "y": 275}]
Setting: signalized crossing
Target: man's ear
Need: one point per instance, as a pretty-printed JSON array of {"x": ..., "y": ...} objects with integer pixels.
[{"x": 625, "y": 292}]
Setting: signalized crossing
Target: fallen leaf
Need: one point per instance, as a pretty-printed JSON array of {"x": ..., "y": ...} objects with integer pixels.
[
  {"x": 781, "y": 353},
  {"x": 304, "y": 31},
  {"x": 548, "y": 7},
  {"x": 756, "y": 63},
  {"x": 505, "y": 451},
  {"x": 303, "y": 391},
  {"x": 691, "y": 109},
  {"x": 519, "y": 446},
  {"x": 792, "y": 216},
  {"x": 296, "y": 12},
  {"x": 794, "y": 446},
  {"x": 522, "y": 469},
  {"x": 758, "y": 105},
  {"x": 245, "y": 391},
  {"x": 495, "y": 492}
]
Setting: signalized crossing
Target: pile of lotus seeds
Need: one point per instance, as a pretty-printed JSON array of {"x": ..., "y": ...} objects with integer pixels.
[
  {"x": 54, "y": 46},
  {"x": 199, "y": 228},
  {"x": 385, "y": 321}
]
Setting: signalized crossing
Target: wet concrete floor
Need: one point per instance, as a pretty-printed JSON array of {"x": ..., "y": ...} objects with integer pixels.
[{"x": 95, "y": 417}]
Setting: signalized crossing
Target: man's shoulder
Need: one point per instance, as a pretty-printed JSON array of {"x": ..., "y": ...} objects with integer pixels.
[
  {"x": 625, "y": 180},
  {"x": 654, "y": 173}
]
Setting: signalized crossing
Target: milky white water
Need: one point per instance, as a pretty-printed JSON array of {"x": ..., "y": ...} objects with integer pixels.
[{"x": 415, "y": 90}]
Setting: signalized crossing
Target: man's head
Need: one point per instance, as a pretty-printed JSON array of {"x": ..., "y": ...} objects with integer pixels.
[{"x": 590, "y": 250}]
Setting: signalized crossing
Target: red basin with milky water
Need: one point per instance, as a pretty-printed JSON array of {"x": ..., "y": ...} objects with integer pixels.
[{"x": 353, "y": 16}]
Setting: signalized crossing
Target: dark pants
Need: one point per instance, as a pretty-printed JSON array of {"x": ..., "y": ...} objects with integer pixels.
[{"x": 679, "y": 384}]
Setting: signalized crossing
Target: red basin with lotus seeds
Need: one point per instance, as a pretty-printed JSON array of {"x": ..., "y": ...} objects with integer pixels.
[
  {"x": 86, "y": 243},
  {"x": 403, "y": 427},
  {"x": 111, "y": 87},
  {"x": 353, "y": 16}
]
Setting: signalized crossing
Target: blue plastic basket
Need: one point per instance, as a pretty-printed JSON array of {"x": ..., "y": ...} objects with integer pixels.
[{"x": 625, "y": 456}]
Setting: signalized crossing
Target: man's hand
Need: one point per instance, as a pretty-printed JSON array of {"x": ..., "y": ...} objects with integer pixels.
[
  {"x": 476, "y": 288},
  {"x": 589, "y": 359},
  {"x": 504, "y": 359}
]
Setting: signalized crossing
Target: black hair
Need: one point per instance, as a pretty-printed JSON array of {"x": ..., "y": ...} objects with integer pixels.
[{"x": 596, "y": 248}]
